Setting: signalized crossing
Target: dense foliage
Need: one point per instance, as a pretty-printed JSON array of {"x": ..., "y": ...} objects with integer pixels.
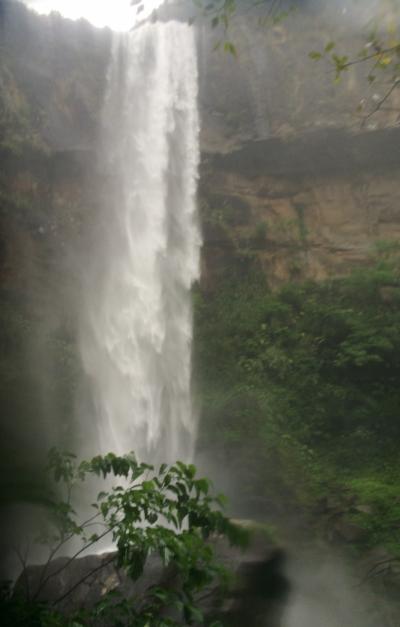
[{"x": 308, "y": 376}]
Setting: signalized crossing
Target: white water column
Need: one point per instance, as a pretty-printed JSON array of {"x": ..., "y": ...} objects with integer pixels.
[{"x": 137, "y": 328}]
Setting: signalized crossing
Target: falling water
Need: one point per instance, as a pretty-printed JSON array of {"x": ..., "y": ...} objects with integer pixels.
[{"x": 137, "y": 328}]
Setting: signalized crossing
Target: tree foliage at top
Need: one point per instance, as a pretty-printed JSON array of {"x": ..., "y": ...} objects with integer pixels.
[{"x": 379, "y": 55}]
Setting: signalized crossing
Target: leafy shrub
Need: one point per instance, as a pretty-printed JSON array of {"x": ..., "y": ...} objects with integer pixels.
[{"x": 168, "y": 512}]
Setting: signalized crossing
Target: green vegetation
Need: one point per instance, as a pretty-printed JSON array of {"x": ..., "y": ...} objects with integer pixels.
[
  {"x": 303, "y": 384},
  {"x": 380, "y": 55},
  {"x": 169, "y": 513},
  {"x": 18, "y": 120}
]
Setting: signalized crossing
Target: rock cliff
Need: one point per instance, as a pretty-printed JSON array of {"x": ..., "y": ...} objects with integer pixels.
[
  {"x": 305, "y": 208},
  {"x": 290, "y": 171}
]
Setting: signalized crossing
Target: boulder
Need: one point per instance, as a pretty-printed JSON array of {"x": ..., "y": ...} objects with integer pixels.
[
  {"x": 257, "y": 595},
  {"x": 349, "y": 531}
]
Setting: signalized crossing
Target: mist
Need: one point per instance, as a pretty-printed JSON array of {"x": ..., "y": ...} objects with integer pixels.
[{"x": 199, "y": 262}]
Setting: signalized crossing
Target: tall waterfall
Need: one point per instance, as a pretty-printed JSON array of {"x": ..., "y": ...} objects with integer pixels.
[{"x": 137, "y": 329}]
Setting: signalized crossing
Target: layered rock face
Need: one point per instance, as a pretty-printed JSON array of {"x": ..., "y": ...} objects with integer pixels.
[
  {"x": 295, "y": 176},
  {"x": 272, "y": 88},
  {"x": 307, "y": 208},
  {"x": 291, "y": 171}
]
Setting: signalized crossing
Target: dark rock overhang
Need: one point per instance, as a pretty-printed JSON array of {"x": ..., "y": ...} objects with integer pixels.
[{"x": 317, "y": 152}]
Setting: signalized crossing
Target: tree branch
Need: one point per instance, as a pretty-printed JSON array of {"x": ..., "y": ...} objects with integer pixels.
[
  {"x": 23, "y": 562},
  {"x": 83, "y": 579},
  {"x": 71, "y": 559},
  {"x": 54, "y": 552},
  {"x": 374, "y": 55},
  {"x": 382, "y": 101}
]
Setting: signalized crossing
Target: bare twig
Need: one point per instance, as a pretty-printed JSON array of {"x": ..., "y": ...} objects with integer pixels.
[
  {"x": 23, "y": 561},
  {"x": 383, "y": 100},
  {"x": 43, "y": 579},
  {"x": 83, "y": 579},
  {"x": 274, "y": 5},
  {"x": 74, "y": 557}
]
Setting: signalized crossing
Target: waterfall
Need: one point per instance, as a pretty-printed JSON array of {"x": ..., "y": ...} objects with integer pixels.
[{"x": 137, "y": 327}]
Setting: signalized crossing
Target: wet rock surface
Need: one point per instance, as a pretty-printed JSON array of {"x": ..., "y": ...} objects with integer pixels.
[{"x": 256, "y": 597}]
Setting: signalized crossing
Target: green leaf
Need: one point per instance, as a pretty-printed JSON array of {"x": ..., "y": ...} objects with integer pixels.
[
  {"x": 230, "y": 48},
  {"x": 221, "y": 500},
  {"x": 316, "y": 56},
  {"x": 201, "y": 486},
  {"x": 148, "y": 486},
  {"x": 191, "y": 470}
]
